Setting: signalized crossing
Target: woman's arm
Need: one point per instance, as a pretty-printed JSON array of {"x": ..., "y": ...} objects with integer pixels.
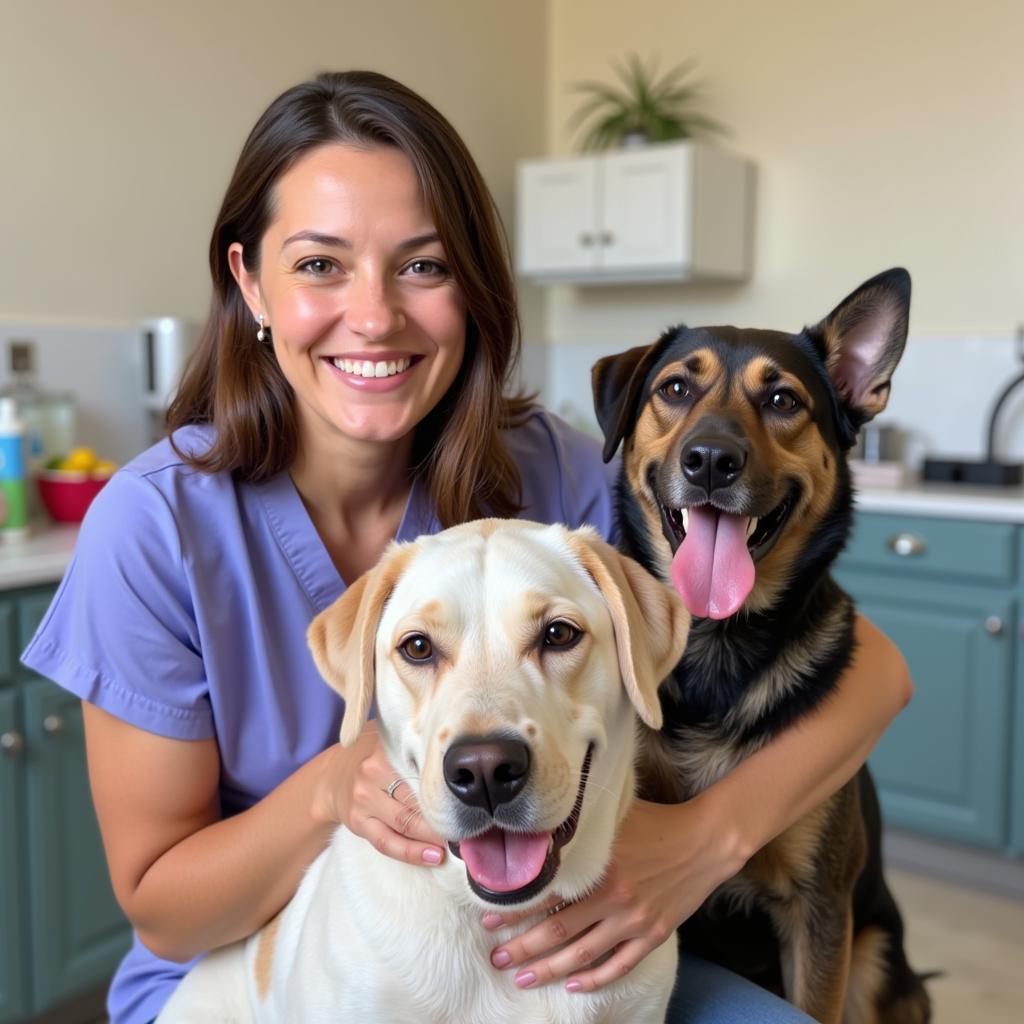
[
  {"x": 190, "y": 881},
  {"x": 668, "y": 859}
]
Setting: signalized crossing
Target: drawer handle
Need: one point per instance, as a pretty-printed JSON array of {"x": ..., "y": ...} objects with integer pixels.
[
  {"x": 53, "y": 725},
  {"x": 907, "y": 545},
  {"x": 994, "y": 625},
  {"x": 586, "y": 239},
  {"x": 12, "y": 743}
]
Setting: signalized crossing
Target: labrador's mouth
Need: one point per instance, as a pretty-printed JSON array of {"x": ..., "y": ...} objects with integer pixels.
[
  {"x": 507, "y": 867},
  {"x": 714, "y": 553}
]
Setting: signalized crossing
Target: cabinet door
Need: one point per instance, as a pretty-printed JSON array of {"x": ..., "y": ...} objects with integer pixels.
[
  {"x": 557, "y": 216},
  {"x": 646, "y": 210},
  {"x": 78, "y": 932},
  {"x": 13, "y": 911},
  {"x": 942, "y": 766}
]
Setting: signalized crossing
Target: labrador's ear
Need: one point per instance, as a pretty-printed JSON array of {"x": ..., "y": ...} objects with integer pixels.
[
  {"x": 651, "y": 624},
  {"x": 342, "y": 638},
  {"x": 862, "y": 340}
]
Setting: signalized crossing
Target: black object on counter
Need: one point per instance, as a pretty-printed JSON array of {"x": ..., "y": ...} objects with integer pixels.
[{"x": 990, "y": 470}]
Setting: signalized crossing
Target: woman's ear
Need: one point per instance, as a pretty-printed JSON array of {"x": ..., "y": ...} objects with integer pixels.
[{"x": 248, "y": 282}]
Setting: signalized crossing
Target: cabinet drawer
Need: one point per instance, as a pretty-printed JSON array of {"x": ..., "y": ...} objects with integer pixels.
[
  {"x": 8, "y": 654},
  {"x": 923, "y": 547}
]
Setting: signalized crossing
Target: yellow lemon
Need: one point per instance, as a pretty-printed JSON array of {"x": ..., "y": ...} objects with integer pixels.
[
  {"x": 81, "y": 459},
  {"x": 104, "y": 467}
]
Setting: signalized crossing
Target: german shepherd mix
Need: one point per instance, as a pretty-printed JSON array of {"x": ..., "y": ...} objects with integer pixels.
[{"x": 735, "y": 487}]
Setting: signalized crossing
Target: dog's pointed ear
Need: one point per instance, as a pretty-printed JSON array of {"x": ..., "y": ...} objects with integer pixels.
[
  {"x": 650, "y": 622},
  {"x": 862, "y": 341},
  {"x": 342, "y": 638},
  {"x": 616, "y": 382}
]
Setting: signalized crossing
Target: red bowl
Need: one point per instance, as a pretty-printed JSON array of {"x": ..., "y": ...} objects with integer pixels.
[{"x": 68, "y": 495}]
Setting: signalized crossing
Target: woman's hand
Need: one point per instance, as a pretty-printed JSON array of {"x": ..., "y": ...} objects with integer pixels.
[
  {"x": 665, "y": 862},
  {"x": 354, "y": 792}
]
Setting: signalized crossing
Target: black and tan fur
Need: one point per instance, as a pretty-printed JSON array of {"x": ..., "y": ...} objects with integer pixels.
[{"x": 810, "y": 915}]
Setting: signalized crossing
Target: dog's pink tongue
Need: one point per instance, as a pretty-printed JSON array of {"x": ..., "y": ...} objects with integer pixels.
[
  {"x": 712, "y": 570},
  {"x": 504, "y": 861}
]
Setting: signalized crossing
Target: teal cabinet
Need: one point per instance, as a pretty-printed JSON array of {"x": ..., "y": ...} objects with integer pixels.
[
  {"x": 949, "y": 593},
  {"x": 62, "y": 931}
]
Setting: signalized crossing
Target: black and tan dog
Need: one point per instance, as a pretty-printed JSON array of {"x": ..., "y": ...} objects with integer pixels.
[{"x": 735, "y": 487}]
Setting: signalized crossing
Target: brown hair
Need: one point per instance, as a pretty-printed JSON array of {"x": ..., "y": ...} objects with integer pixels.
[{"x": 235, "y": 383}]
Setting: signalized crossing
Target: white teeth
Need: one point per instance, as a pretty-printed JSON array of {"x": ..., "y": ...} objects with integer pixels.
[
  {"x": 366, "y": 368},
  {"x": 751, "y": 527},
  {"x": 686, "y": 519}
]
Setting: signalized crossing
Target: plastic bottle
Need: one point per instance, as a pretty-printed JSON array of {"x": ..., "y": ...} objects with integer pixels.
[{"x": 13, "y": 484}]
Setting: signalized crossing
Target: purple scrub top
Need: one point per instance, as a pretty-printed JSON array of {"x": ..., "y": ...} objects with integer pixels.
[{"x": 184, "y": 612}]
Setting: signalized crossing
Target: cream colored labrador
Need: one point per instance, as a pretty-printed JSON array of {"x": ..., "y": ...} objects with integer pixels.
[{"x": 508, "y": 661}]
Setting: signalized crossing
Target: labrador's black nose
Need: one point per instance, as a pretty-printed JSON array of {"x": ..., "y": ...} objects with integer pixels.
[
  {"x": 487, "y": 772},
  {"x": 712, "y": 462}
]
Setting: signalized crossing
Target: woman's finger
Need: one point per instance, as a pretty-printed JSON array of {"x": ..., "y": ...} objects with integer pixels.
[
  {"x": 399, "y": 847},
  {"x": 404, "y": 817},
  {"x": 554, "y": 931},
  {"x": 619, "y": 964},
  {"x": 492, "y": 919}
]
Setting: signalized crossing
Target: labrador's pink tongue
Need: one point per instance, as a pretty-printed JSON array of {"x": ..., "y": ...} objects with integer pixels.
[
  {"x": 504, "y": 861},
  {"x": 712, "y": 570}
]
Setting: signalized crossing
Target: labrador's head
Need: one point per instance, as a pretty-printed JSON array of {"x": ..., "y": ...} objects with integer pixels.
[{"x": 508, "y": 661}]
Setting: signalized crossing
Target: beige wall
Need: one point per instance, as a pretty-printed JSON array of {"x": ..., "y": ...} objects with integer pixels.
[
  {"x": 120, "y": 121},
  {"x": 885, "y": 132}
]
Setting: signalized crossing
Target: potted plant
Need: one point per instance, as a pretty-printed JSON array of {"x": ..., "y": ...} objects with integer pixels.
[{"x": 646, "y": 108}]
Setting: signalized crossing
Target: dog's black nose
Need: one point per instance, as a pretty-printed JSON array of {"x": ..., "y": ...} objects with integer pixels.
[
  {"x": 713, "y": 462},
  {"x": 487, "y": 772}
]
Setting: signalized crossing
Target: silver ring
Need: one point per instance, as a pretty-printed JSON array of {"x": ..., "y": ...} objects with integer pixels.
[
  {"x": 557, "y": 907},
  {"x": 394, "y": 785}
]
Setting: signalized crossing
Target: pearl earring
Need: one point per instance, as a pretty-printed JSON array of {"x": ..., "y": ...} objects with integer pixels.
[{"x": 261, "y": 334}]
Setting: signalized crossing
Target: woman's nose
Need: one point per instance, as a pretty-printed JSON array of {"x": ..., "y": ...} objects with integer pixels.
[{"x": 370, "y": 308}]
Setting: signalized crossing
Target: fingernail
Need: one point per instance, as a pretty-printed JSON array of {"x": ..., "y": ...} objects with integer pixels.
[
  {"x": 432, "y": 855},
  {"x": 501, "y": 958},
  {"x": 574, "y": 986},
  {"x": 526, "y": 979},
  {"x": 491, "y": 919}
]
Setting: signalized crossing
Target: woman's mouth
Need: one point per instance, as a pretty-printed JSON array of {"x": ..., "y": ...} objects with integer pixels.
[{"x": 373, "y": 368}]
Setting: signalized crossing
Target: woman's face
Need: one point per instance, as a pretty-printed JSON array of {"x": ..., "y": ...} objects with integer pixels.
[{"x": 367, "y": 323}]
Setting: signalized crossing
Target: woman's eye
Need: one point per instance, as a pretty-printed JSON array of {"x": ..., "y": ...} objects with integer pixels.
[
  {"x": 675, "y": 390},
  {"x": 784, "y": 401},
  {"x": 417, "y": 648},
  {"x": 561, "y": 634},
  {"x": 426, "y": 268},
  {"x": 319, "y": 266}
]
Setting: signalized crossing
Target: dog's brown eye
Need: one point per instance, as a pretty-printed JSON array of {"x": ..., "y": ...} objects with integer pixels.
[
  {"x": 561, "y": 634},
  {"x": 784, "y": 401},
  {"x": 417, "y": 648},
  {"x": 675, "y": 390}
]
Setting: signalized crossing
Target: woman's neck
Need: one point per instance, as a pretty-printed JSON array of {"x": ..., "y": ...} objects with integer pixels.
[{"x": 355, "y": 493}]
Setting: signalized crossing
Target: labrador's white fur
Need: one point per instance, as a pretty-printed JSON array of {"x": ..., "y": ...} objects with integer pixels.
[{"x": 372, "y": 940}]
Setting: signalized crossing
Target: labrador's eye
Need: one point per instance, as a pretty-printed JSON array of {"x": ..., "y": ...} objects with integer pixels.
[
  {"x": 416, "y": 648},
  {"x": 561, "y": 634}
]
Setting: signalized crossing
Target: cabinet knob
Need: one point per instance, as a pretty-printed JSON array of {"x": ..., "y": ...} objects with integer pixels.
[
  {"x": 586, "y": 239},
  {"x": 12, "y": 743},
  {"x": 606, "y": 238},
  {"x": 994, "y": 625},
  {"x": 907, "y": 545},
  {"x": 53, "y": 724}
]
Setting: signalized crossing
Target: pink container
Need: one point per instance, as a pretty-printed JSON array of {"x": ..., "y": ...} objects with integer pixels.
[{"x": 66, "y": 496}]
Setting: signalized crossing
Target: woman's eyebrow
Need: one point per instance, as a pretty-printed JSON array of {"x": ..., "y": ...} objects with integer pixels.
[{"x": 319, "y": 238}]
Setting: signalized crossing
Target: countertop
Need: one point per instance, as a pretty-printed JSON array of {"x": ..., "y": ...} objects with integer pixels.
[
  {"x": 43, "y": 556},
  {"x": 950, "y": 501}
]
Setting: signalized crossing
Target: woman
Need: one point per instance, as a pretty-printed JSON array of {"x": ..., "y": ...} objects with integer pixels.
[{"x": 347, "y": 391}]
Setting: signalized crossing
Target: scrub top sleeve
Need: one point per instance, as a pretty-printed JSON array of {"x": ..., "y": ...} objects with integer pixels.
[
  {"x": 587, "y": 482},
  {"x": 121, "y": 631}
]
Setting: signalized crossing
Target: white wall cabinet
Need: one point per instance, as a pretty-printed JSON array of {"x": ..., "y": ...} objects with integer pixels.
[{"x": 671, "y": 212}]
